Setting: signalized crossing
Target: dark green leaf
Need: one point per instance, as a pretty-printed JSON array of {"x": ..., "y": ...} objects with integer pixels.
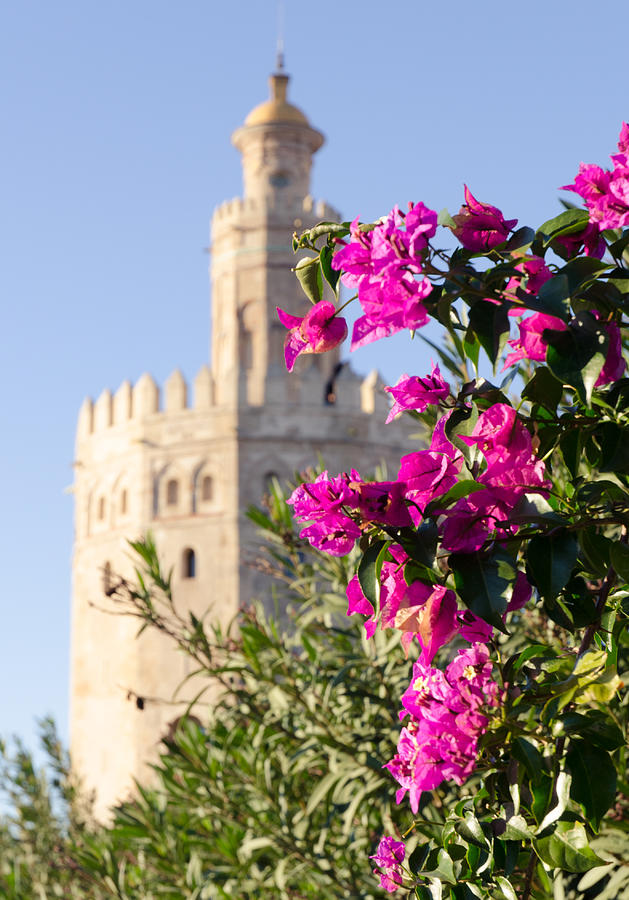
[
  {"x": 418, "y": 857},
  {"x": 570, "y": 445},
  {"x": 520, "y": 239},
  {"x": 551, "y": 559},
  {"x": 490, "y": 322},
  {"x": 614, "y": 444},
  {"x": 577, "y": 355},
  {"x": 331, "y": 275},
  {"x": 596, "y": 727},
  {"x": 462, "y": 421},
  {"x": 544, "y": 388},
  {"x": 553, "y": 298},
  {"x": 485, "y": 583},
  {"x": 596, "y": 548},
  {"x": 369, "y": 571},
  {"x": 619, "y": 558},
  {"x": 469, "y": 828}
]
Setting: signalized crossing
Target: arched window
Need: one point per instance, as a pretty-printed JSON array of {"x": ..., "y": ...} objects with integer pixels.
[
  {"x": 101, "y": 509},
  {"x": 189, "y": 563},
  {"x": 269, "y": 478},
  {"x": 207, "y": 488},
  {"x": 172, "y": 492},
  {"x": 123, "y": 502}
]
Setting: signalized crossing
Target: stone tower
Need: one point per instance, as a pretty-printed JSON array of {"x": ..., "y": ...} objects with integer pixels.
[{"x": 186, "y": 468}]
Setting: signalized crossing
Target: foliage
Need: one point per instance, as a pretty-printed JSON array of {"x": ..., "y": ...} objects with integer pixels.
[
  {"x": 518, "y": 507},
  {"x": 45, "y": 823}
]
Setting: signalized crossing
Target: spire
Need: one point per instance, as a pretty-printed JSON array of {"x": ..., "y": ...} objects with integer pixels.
[{"x": 279, "y": 64}]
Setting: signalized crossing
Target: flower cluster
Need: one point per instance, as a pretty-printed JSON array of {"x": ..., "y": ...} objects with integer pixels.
[
  {"x": 389, "y": 858},
  {"x": 340, "y": 508},
  {"x": 382, "y": 265},
  {"x": 446, "y": 716},
  {"x": 606, "y": 192}
]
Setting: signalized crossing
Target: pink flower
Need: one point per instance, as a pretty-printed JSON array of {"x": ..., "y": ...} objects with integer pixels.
[
  {"x": 499, "y": 434},
  {"x": 531, "y": 343},
  {"x": 318, "y": 331},
  {"x": 417, "y": 393},
  {"x": 606, "y": 192},
  {"x": 480, "y": 226},
  {"x": 427, "y": 474},
  {"x": 615, "y": 365},
  {"x": 587, "y": 239},
  {"x": 535, "y": 273},
  {"x": 389, "y": 858}
]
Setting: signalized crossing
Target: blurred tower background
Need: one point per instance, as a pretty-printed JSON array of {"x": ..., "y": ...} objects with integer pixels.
[{"x": 186, "y": 468}]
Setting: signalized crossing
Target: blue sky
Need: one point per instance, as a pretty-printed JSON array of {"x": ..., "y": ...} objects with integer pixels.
[{"x": 117, "y": 119}]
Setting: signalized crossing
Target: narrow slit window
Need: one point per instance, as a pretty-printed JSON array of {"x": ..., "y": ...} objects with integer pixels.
[
  {"x": 207, "y": 488},
  {"x": 107, "y": 583},
  {"x": 189, "y": 563},
  {"x": 172, "y": 492},
  {"x": 123, "y": 502},
  {"x": 101, "y": 509}
]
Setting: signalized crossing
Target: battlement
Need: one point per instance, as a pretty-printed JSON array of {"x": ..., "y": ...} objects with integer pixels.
[
  {"x": 143, "y": 401},
  {"x": 250, "y": 207}
]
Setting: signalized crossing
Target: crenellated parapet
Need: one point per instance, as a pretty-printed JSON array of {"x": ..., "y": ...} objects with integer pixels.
[
  {"x": 144, "y": 402},
  {"x": 252, "y": 211}
]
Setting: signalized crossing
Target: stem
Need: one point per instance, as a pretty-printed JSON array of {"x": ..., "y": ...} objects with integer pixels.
[{"x": 528, "y": 877}]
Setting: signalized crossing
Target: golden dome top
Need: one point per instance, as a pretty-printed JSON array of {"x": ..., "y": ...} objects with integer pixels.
[{"x": 277, "y": 109}]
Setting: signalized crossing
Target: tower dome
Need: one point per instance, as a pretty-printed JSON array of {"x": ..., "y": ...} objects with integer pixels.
[
  {"x": 276, "y": 109},
  {"x": 277, "y": 143}
]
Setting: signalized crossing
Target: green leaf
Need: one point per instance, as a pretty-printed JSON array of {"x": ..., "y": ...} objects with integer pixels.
[
  {"x": 520, "y": 239},
  {"x": 461, "y": 489},
  {"x": 571, "y": 450},
  {"x": 470, "y": 829},
  {"x": 593, "y": 779},
  {"x": 551, "y": 559},
  {"x": 369, "y": 571},
  {"x": 331, "y": 275},
  {"x": 309, "y": 276},
  {"x": 505, "y": 888},
  {"x": 614, "y": 443},
  {"x": 568, "y": 849},
  {"x": 597, "y": 550},
  {"x": 577, "y": 355},
  {"x": 516, "y": 829},
  {"x": 619, "y": 558},
  {"x": 421, "y": 545},
  {"x": 490, "y": 322},
  {"x": 462, "y": 421},
  {"x": 596, "y": 727},
  {"x": 544, "y": 388},
  {"x": 553, "y": 298},
  {"x": 328, "y": 228},
  {"x": 568, "y": 222},
  {"x": 529, "y": 756},
  {"x": 485, "y": 583},
  {"x": 444, "y": 218}
]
